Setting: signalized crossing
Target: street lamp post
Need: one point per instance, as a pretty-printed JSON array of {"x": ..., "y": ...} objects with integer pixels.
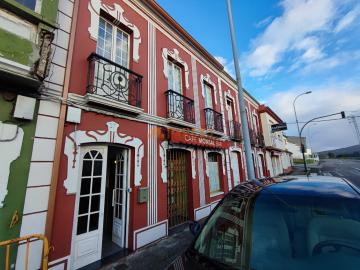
[
  {"x": 319, "y": 117},
  {"x": 244, "y": 122},
  {"x": 297, "y": 124}
]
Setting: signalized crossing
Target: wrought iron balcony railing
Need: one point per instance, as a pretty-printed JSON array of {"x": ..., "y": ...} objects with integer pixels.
[
  {"x": 179, "y": 107},
  {"x": 110, "y": 80},
  {"x": 235, "y": 130},
  {"x": 214, "y": 120},
  {"x": 256, "y": 139}
]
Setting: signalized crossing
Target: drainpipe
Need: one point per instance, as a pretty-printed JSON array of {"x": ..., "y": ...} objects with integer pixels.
[{"x": 60, "y": 131}]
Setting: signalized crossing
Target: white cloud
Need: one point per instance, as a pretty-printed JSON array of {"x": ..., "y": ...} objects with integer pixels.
[
  {"x": 264, "y": 22},
  {"x": 300, "y": 19},
  {"x": 348, "y": 19},
  {"x": 325, "y": 99},
  {"x": 331, "y": 62},
  {"x": 311, "y": 49}
]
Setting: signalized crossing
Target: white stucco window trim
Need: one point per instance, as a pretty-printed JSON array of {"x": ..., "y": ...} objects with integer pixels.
[
  {"x": 111, "y": 136},
  {"x": 174, "y": 54},
  {"x": 206, "y": 78},
  {"x": 117, "y": 12},
  {"x": 164, "y": 146}
]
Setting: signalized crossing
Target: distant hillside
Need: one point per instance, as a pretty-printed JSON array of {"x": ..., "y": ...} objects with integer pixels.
[{"x": 351, "y": 151}]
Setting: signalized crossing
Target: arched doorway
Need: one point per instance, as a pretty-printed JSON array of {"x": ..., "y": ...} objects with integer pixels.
[{"x": 102, "y": 204}]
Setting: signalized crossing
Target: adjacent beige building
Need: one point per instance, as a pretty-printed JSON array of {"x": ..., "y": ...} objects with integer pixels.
[{"x": 278, "y": 157}]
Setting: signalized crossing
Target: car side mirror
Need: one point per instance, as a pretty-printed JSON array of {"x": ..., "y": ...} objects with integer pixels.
[{"x": 194, "y": 228}]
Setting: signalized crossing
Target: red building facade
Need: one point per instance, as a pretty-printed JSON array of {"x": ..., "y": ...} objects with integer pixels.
[{"x": 153, "y": 135}]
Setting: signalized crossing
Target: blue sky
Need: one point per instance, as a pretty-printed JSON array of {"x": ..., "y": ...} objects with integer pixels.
[{"x": 288, "y": 47}]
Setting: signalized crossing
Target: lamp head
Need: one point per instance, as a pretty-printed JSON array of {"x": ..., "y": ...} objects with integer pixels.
[{"x": 308, "y": 92}]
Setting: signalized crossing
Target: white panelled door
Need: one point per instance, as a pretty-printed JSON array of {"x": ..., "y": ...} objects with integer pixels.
[
  {"x": 119, "y": 199},
  {"x": 89, "y": 211},
  {"x": 235, "y": 167}
]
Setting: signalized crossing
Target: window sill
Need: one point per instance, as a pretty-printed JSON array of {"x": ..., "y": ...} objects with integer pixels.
[
  {"x": 103, "y": 101},
  {"x": 216, "y": 193}
]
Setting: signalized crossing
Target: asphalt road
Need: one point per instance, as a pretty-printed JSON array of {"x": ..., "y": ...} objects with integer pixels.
[{"x": 349, "y": 169}]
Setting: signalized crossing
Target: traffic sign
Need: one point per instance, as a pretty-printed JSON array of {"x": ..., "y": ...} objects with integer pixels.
[{"x": 278, "y": 127}]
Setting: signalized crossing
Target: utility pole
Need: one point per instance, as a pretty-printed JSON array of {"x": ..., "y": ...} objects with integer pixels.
[
  {"x": 352, "y": 119},
  {"x": 245, "y": 127}
]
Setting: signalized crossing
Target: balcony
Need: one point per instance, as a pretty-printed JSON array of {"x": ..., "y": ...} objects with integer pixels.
[
  {"x": 256, "y": 139},
  {"x": 112, "y": 85},
  {"x": 235, "y": 131},
  {"x": 214, "y": 122},
  {"x": 179, "y": 109}
]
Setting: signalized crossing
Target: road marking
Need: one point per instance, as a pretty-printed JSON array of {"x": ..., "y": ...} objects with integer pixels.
[
  {"x": 340, "y": 174},
  {"x": 327, "y": 174},
  {"x": 355, "y": 172},
  {"x": 357, "y": 169}
]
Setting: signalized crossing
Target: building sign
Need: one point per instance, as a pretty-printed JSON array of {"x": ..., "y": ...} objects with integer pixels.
[
  {"x": 278, "y": 127},
  {"x": 198, "y": 140}
]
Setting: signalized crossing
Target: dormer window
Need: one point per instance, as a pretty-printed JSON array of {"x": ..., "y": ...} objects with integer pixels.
[{"x": 174, "y": 77}]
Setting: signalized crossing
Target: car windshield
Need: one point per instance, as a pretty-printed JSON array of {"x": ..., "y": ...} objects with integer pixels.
[{"x": 283, "y": 232}]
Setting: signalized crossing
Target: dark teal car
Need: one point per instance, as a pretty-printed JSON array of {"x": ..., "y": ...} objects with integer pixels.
[{"x": 290, "y": 223}]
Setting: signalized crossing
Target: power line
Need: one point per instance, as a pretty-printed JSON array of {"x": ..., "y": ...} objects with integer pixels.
[{"x": 325, "y": 120}]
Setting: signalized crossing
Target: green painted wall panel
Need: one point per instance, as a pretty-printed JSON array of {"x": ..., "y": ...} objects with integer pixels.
[
  {"x": 49, "y": 9},
  {"x": 15, "y": 48},
  {"x": 19, "y": 171}
]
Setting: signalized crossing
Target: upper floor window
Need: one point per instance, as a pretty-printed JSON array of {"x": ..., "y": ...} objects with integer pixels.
[
  {"x": 255, "y": 123},
  {"x": 31, "y": 4},
  {"x": 113, "y": 43},
  {"x": 209, "y": 96},
  {"x": 230, "y": 106},
  {"x": 174, "y": 77}
]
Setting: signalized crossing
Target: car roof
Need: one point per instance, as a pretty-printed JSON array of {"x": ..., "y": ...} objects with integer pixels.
[{"x": 314, "y": 186}]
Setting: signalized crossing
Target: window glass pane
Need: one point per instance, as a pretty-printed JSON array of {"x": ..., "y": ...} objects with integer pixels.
[
  {"x": 28, "y": 3},
  {"x": 85, "y": 186},
  {"x": 122, "y": 48},
  {"x": 84, "y": 205},
  {"x": 87, "y": 166},
  {"x": 305, "y": 232},
  {"x": 96, "y": 185},
  {"x": 222, "y": 237},
  {"x": 170, "y": 76},
  {"x": 213, "y": 169},
  {"x": 82, "y": 224},
  {"x": 208, "y": 94},
  {"x": 94, "y": 222},
  {"x": 95, "y": 203},
  {"x": 97, "y": 167},
  {"x": 230, "y": 107},
  {"x": 177, "y": 79}
]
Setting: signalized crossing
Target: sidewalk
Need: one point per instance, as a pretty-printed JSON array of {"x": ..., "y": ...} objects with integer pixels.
[{"x": 156, "y": 256}]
